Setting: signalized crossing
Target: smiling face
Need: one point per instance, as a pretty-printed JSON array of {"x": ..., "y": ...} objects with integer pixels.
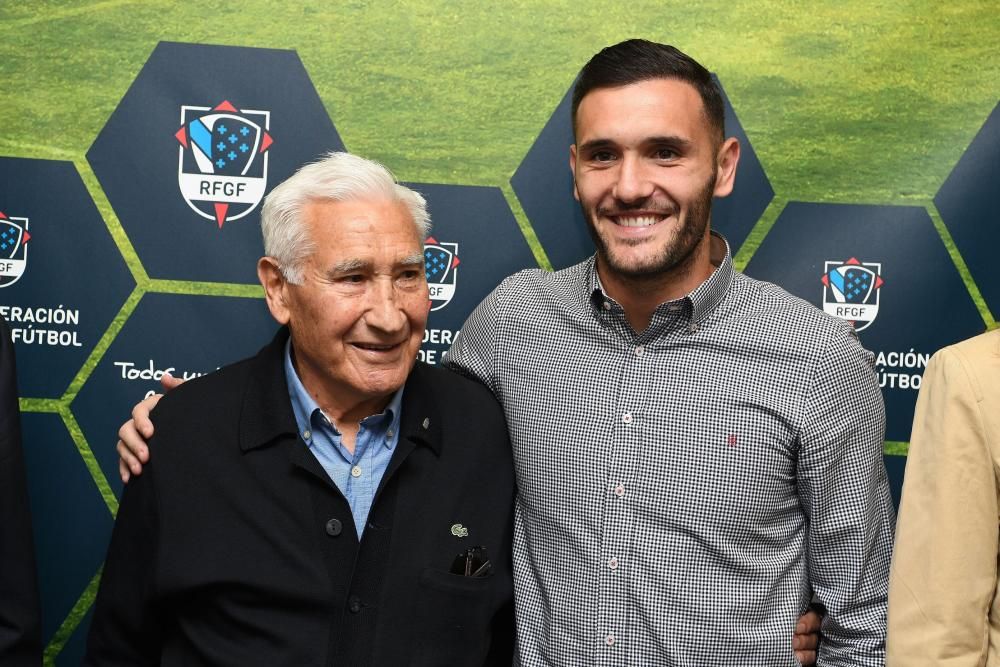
[
  {"x": 646, "y": 165},
  {"x": 358, "y": 316}
]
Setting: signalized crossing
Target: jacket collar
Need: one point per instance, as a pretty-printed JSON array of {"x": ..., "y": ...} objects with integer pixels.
[
  {"x": 420, "y": 420},
  {"x": 267, "y": 413}
]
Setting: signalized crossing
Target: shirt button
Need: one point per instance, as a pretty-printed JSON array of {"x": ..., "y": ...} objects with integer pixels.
[
  {"x": 306, "y": 435},
  {"x": 620, "y": 490},
  {"x": 613, "y": 563},
  {"x": 356, "y": 471},
  {"x": 692, "y": 328},
  {"x": 639, "y": 351},
  {"x": 627, "y": 417},
  {"x": 388, "y": 434},
  {"x": 606, "y": 305},
  {"x": 334, "y": 527},
  {"x": 610, "y": 640},
  {"x": 354, "y": 604}
]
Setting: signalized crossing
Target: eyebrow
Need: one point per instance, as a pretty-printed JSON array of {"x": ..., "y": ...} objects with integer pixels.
[
  {"x": 351, "y": 265},
  {"x": 659, "y": 140},
  {"x": 412, "y": 260}
]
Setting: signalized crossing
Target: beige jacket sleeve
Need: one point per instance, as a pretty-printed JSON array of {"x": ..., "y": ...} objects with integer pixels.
[{"x": 942, "y": 590}]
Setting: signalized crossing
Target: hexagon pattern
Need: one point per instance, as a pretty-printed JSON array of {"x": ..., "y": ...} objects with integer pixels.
[
  {"x": 544, "y": 186},
  {"x": 205, "y": 131},
  {"x": 62, "y": 279},
  {"x": 184, "y": 334},
  {"x": 895, "y": 278},
  {"x": 970, "y": 207},
  {"x": 475, "y": 243},
  {"x": 72, "y": 522}
]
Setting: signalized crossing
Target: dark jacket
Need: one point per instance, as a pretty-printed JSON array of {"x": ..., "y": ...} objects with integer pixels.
[
  {"x": 20, "y": 619},
  {"x": 235, "y": 548}
]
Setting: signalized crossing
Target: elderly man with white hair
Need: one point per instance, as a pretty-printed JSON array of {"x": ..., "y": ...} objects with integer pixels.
[{"x": 305, "y": 506}]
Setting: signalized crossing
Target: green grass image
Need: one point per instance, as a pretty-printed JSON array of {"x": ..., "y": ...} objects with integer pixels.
[{"x": 854, "y": 102}]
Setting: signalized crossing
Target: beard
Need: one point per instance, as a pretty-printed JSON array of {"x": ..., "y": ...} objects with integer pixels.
[{"x": 674, "y": 254}]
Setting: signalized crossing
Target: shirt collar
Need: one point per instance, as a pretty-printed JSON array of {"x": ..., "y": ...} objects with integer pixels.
[
  {"x": 304, "y": 406},
  {"x": 701, "y": 301}
]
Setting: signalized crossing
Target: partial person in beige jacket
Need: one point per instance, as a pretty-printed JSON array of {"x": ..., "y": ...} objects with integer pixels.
[{"x": 943, "y": 603}]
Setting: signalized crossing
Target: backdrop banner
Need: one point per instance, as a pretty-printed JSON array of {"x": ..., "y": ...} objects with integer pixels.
[{"x": 134, "y": 162}]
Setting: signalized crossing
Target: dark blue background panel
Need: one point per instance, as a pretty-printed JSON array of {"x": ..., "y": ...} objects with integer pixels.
[
  {"x": 914, "y": 300},
  {"x": 475, "y": 226},
  {"x": 203, "y": 133},
  {"x": 544, "y": 186},
  {"x": 76, "y": 646},
  {"x": 62, "y": 279},
  {"x": 188, "y": 334},
  {"x": 969, "y": 204},
  {"x": 72, "y": 522}
]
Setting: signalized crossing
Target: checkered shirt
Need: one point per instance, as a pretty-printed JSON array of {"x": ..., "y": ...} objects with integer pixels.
[{"x": 683, "y": 492}]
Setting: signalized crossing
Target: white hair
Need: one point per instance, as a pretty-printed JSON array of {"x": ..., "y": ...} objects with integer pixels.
[{"x": 335, "y": 177}]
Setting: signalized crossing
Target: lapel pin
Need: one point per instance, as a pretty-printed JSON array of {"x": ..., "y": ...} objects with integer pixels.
[
  {"x": 458, "y": 530},
  {"x": 427, "y": 423}
]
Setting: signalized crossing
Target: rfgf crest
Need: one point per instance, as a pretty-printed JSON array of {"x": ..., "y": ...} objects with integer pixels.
[
  {"x": 222, "y": 160},
  {"x": 14, "y": 239},
  {"x": 851, "y": 291},
  {"x": 441, "y": 267}
]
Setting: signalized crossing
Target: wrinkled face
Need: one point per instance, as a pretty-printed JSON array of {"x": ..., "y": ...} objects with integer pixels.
[
  {"x": 358, "y": 317},
  {"x": 646, "y": 165}
]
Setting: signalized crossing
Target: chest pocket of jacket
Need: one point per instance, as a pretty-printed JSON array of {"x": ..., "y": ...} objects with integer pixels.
[{"x": 453, "y": 619}]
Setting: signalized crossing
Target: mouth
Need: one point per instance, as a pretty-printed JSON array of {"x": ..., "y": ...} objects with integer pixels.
[
  {"x": 636, "y": 219},
  {"x": 377, "y": 347}
]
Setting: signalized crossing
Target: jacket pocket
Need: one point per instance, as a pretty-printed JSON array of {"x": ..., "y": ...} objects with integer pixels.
[{"x": 454, "y": 618}]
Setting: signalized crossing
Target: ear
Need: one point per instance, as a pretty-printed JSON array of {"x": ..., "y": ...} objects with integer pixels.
[
  {"x": 572, "y": 169},
  {"x": 726, "y": 161},
  {"x": 275, "y": 288}
]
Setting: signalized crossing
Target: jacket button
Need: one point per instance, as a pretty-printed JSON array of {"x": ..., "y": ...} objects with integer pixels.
[
  {"x": 334, "y": 527},
  {"x": 354, "y": 604}
]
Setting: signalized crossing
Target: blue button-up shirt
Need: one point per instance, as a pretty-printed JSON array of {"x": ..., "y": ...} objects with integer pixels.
[{"x": 357, "y": 475}]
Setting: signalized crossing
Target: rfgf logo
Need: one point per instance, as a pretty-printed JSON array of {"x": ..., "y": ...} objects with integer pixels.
[
  {"x": 441, "y": 267},
  {"x": 222, "y": 160},
  {"x": 851, "y": 291},
  {"x": 14, "y": 239}
]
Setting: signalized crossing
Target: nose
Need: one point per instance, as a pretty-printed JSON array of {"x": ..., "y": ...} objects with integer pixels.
[
  {"x": 632, "y": 183},
  {"x": 385, "y": 311}
]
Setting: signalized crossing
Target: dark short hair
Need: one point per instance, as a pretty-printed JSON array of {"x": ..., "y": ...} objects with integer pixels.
[{"x": 636, "y": 60}]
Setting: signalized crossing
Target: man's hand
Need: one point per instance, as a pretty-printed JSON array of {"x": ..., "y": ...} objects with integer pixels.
[
  {"x": 806, "y": 637},
  {"x": 132, "y": 436}
]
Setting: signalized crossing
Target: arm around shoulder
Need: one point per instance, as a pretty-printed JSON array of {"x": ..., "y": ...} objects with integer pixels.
[{"x": 845, "y": 493}]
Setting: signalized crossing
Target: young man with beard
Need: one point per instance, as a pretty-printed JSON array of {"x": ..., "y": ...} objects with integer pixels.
[{"x": 697, "y": 453}]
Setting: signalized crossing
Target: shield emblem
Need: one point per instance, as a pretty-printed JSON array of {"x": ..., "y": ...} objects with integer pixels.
[
  {"x": 222, "y": 164},
  {"x": 14, "y": 237},
  {"x": 437, "y": 263},
  {"x": 10, "y": 239},
  {"x": 852, "y": 283},
  {"x": 223, "y": 144}
]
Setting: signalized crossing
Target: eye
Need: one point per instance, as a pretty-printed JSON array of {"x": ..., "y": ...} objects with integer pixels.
[
  {"x": 353, "y": 278},
  {"x": 665, "y": 154},
  {"x": 602, "y": 156},
  {"x": 410, "y": 276}
]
